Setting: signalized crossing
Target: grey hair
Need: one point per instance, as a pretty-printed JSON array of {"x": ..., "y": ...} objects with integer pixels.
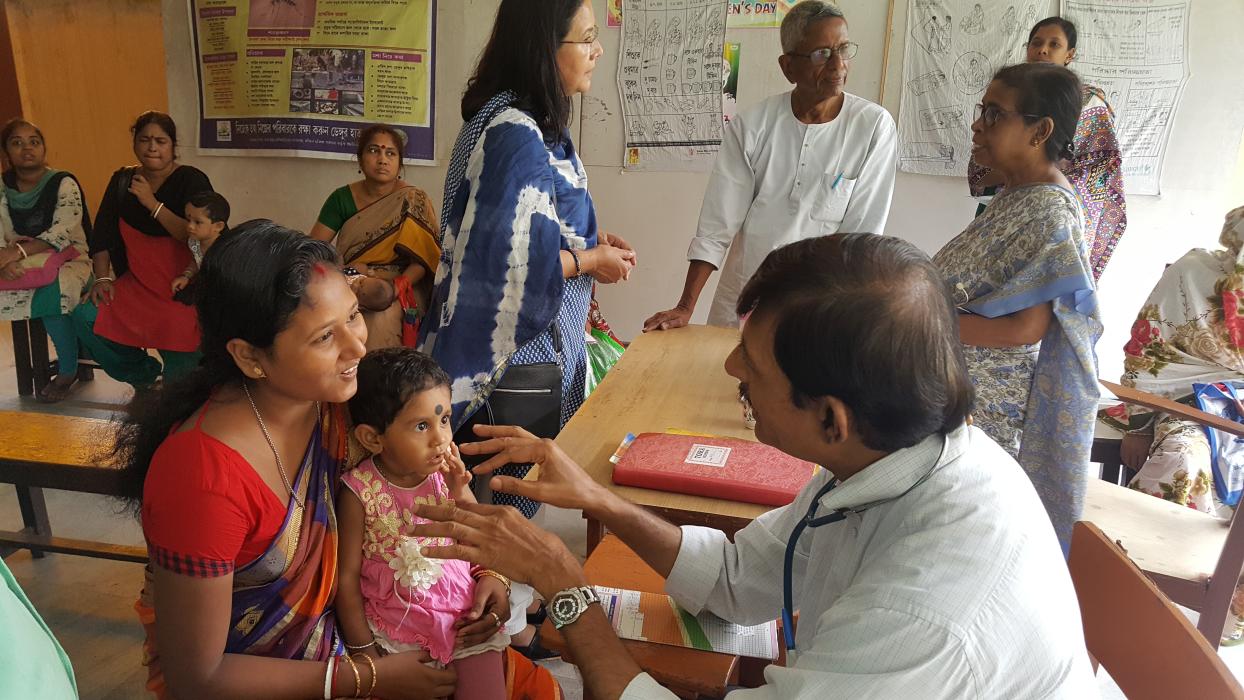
[{"x": 804, "y": 15}]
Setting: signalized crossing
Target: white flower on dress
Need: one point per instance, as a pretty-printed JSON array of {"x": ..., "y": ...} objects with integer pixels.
[{"x": 411, "y": 569}]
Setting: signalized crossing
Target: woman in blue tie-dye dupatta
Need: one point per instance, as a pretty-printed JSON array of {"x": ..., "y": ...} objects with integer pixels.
[
  {"x": 519, "y": 240},
  {"x": 1021, "y": 278}
]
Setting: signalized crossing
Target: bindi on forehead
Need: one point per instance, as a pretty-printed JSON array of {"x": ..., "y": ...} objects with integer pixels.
[{"x": 439, "y": 409}]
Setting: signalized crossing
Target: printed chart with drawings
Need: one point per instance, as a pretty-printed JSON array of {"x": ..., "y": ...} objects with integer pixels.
[{"x": 953, "y": 48}]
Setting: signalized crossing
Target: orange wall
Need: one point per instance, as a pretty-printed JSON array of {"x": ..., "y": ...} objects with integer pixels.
[{"x": 85, "y": 69}]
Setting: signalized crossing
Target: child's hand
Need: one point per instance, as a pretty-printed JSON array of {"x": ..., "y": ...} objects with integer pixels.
[
  {"x": 179, "y": 283},
  {"x": 485, "y": 618},
  {"x": 457, "y": 477}
]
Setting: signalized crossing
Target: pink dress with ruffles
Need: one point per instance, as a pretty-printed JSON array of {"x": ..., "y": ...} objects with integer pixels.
[{"x": 405, "y": 615}]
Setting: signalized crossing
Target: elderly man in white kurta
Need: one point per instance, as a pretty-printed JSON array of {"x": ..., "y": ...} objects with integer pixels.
[{"x": 810, "y": 162}]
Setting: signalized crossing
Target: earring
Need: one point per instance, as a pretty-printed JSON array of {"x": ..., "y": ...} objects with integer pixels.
[{"x": 259, "y": 372}]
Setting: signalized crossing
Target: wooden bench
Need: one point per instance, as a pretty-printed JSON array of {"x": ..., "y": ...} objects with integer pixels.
[{"x": 39, "y": 451}]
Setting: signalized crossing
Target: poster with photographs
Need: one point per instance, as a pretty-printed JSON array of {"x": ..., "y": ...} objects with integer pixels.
[{"x": 303, "y": 77}]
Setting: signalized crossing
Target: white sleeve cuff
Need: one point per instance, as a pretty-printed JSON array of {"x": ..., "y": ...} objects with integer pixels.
[
  {"x": 710, "y": 250},
  {"x": 697, "y": 568}
]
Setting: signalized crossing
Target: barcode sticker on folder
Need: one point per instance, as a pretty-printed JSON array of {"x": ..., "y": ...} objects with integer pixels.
[{"x": 708, "y": 455}]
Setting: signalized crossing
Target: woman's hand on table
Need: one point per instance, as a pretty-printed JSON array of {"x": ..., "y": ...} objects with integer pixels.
[
  {"x": 609, "y": 264},
  {"x": 501, "y": 539},
  {"x": 1134, "y": 450},
  {"x": 404, "y": 675},
  {"x": 141, "y": 189},
  {"x": 485, "y": 618},
  {"x": 559, "y": 482}
]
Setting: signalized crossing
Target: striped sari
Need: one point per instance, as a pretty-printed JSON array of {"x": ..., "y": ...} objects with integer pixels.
[{"x": 282, "y": 601}]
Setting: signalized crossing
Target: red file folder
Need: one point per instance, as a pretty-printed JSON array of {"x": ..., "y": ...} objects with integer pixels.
[{"x": 726, "y": 468}]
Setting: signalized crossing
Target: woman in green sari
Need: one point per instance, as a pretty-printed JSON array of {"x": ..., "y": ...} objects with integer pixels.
[
  {"x": 43, "y": 262},
  {"x": 386, "y": 229}
]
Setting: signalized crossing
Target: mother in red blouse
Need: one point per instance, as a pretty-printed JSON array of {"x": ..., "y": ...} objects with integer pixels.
[{"x": 235, "y": 467}]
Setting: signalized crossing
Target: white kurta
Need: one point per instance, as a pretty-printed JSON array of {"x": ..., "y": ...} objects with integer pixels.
[
  {"x": 956, "y": 589},
  {"x": 776, "y": 181}
]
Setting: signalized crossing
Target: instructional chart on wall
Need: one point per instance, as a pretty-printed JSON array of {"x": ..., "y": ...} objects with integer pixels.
[
  {"x": 953, "y": 48},
  {"x": 670, "y": 81},
  {"x": 303, "y": 77},
  {"x": 1136, "y": 52}
]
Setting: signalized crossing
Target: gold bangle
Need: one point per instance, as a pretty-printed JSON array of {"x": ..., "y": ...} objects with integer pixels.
[
  {"x": 374, "y": 675},
  {"x": 489, "y": 572},
  {"x": 358, "y": 682}
]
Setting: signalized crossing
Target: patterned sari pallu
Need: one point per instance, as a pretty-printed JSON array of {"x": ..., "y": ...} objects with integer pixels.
[
  {"x": 282, "y": 601},
  {"x": 1036, "y": 401},
  {"x": 387, "y": 236}
]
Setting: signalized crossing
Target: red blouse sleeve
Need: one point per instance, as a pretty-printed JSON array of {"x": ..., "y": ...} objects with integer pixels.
[{"x": 199, "y": 508}]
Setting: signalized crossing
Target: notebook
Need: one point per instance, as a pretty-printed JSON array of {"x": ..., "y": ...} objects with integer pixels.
[{"x": 716, "y": 467}]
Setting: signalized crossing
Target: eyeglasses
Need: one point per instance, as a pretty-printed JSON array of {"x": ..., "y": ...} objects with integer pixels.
[
  {"x": 819, "y": 57},
  {"x": 593, "y": 36},
  {"x": 990, "y": 114}
]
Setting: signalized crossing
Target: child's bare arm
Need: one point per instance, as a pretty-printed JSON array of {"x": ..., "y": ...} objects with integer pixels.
[
  {"x": 349, "y": 601},
  {"x": 457, "y": 478}
]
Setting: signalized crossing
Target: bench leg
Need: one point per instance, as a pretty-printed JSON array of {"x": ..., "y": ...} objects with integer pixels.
[
  {"x": 34, "y": 514},
  {"x": 21, "y": 358},
  {"x": 39, "y": 360}
]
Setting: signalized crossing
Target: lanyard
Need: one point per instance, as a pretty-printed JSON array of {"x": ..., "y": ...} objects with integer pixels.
[{"x": 811, "y": 520}]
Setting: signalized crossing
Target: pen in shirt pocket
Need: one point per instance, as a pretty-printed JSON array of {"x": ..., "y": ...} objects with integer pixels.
[{"x": 837, "y": 180}]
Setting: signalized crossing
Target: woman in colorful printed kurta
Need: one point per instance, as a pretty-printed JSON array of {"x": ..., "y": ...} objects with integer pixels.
[
  {"x": 388, "y": 228},
  {"x": 1020, "y": 277},
  {"x": 1095, "y": 168},
  {"x": 138, "y": 247},
  {"x": 236, "y": 466},
  {"x": 42, "y": 218},
  {"x": 519, "y": 235}
]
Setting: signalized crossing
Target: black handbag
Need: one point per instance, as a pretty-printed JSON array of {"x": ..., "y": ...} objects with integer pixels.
[{"x": 528, "y": 396}]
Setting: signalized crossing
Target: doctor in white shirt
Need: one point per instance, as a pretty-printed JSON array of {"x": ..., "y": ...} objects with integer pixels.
[
  {"x": 809, "y": 162},
  {"x": 929, "y": 570}
]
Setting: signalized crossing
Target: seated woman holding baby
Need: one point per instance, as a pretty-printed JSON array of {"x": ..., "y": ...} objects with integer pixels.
[{"x": 385, "y": 230}]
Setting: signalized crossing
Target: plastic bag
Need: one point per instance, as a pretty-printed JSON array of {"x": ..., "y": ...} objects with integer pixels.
[{"x": 602, "y": 354}]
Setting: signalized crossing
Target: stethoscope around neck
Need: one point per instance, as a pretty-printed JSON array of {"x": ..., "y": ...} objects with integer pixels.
[{"x": 811, "y": 520}]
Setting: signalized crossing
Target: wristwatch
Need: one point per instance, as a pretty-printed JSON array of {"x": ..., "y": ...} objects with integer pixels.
[{"x": 568, "y": 605}]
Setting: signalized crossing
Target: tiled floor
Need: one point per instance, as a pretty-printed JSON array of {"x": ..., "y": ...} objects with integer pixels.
[{"x": 88, "y": 603}]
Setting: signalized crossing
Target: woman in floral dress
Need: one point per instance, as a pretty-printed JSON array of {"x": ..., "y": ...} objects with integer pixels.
[{"x": 1190, "y": 331}]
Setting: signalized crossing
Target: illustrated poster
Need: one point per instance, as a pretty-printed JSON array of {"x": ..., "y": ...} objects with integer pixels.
[
  {"x": 953, "y": 48},
  {"x": 1136, "y": 53},
  {"x": 670, "y": 80},
  {"x": 303, "y": 77}
]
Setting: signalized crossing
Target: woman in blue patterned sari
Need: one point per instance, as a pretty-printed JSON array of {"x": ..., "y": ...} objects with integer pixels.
[
  {"x": 1021, "y": 278},
  {"x": 519, "y": 240}
]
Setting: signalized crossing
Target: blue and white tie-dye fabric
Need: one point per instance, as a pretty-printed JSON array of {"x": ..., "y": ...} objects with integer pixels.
[{"x": 499, "y": 287}]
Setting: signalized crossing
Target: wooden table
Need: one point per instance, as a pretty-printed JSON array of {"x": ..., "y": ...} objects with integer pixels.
[
  {"x": 39, "y": 451},
  {"x": 689, "y": 673},
  {"x": 665, "y": 380}
]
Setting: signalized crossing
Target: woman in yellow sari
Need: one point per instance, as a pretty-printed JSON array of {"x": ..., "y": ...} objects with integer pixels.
[{"x": 386, "y": 230}]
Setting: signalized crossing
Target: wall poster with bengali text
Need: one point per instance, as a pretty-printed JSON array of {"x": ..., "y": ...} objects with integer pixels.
[
  {"x": 303, "y": 77},
  {"x": 1136, "y": 53}
]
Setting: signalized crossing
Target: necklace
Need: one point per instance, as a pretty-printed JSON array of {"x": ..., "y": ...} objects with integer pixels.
[{"x": 279, "y": 465}]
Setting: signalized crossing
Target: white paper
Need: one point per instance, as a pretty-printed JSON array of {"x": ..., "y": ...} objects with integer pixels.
[
  {"x": 1136, "y": 52},
  {"x": 953, "y": 48},
  {"x": 670, "y": 82},
  {"x": 708, "y": 455}
]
